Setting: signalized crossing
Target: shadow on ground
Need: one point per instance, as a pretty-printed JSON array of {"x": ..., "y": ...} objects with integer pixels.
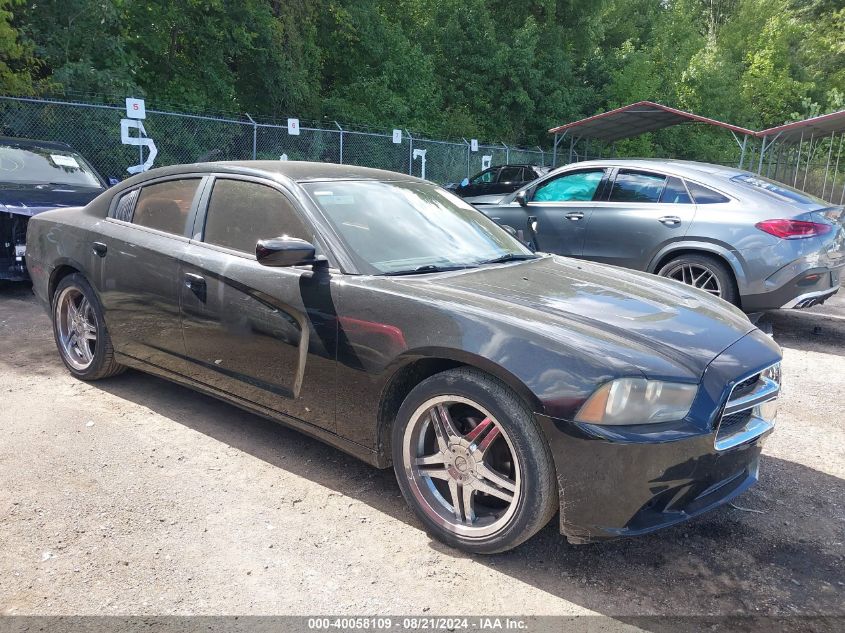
[{"x": 785, "y": 558}]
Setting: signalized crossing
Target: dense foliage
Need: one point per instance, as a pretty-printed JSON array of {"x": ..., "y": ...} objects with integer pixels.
[{"x": 492, "y": 69}]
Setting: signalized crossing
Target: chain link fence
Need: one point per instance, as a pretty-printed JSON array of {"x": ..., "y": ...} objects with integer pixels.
[{"x": 95, "y": 132}]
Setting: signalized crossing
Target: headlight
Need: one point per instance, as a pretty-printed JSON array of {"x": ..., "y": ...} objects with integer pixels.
[{"x": 637, "y": 401}]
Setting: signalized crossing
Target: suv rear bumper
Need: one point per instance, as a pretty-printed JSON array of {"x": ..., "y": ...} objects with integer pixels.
[{"x": 802, "y": 291}]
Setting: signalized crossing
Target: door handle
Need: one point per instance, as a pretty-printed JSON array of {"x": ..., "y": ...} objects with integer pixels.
[
  {"x": 99, "y": 249},
  {"x": 669, "y": 220},
  {"x": 574, "y": 216},
  {"x": 196, "y": 284}
]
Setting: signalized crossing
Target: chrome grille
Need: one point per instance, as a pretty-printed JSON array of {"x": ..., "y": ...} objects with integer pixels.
[{"x": 741, "y": 420}]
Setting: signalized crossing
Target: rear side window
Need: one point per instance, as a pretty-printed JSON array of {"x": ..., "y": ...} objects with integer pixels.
[
  {"x": 123, "y": 209},
  {"x": 674, "y": 192},
  {"x": 165, "y": 205},
  {"x": 510, "y": 174},
  {"x": 632, "y": 186},
  {"x": 241, "y": 212},
  {"x": 578, "y": 186},
  {"x": 703, "y": 195}
]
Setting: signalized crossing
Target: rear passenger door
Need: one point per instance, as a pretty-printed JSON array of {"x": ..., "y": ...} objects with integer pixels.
[
  {"x": 643, "y": 212},
  {"x": 265, "y": 335},
  {"x": 139, "y": 247}
]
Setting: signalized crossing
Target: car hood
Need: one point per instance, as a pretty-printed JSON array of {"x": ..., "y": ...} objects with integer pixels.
[
  {"x": 659, "y": 326},
  {"x": 30, "y": 200}
]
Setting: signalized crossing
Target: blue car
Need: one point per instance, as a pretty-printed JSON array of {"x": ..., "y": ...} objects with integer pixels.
[{"x": 37, "y": 176}]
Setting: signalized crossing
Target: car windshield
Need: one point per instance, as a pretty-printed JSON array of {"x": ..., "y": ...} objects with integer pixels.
[
  {"x": 778, "y": 189},
  {"x": 407, "y": 227},
  {"x": 36, "y": 166}
]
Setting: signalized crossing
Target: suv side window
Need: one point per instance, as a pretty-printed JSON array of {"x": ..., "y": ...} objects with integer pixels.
[
  {"x": 675, "y": 192},
  {"x": 241, "y": 212},
  {"x": 577, "y": 186},
  {"x": 704, "y": 195},
  {"x": 510, "y": 174},
  {"x": 633, "y": 186},
  {"x": 165, "y": 205},
  {"x": 486, "y": 176}
]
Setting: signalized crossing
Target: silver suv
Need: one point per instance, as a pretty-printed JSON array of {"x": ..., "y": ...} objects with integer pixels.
[{"x": 754, "y": 242}]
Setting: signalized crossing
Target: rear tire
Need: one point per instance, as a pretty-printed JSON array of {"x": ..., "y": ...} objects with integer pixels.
[
  {"x": 704, "y": 272},
  {"x": 488, "y": 483},
  {"x": 80, "y": 330}
]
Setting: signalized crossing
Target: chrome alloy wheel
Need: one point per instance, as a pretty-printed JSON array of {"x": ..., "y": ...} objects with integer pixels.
[
  {"x": 461, "y": 466},
  {"x": 696, "y": 275},
  {"x": 76, "y": 326}
]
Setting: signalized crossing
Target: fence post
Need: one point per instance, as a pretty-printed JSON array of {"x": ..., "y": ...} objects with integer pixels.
[
  {"x": 410, "y": 153},
  {"x": 507, "y": 153},
  {"x": 254, "y": 135},
  {"x": 542, "y": 155},
  {"x": 340, "y": 155}
]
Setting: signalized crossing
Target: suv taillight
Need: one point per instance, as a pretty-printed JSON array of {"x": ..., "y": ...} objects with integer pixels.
[{"x": 793, "y": 229}]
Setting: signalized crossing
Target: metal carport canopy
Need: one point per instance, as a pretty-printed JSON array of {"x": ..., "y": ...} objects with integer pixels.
[
  {"x": 823, "y": 125},
  {"x": 635, "y": 119}
]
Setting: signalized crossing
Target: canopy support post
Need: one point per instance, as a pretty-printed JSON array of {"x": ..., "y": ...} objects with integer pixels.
[
  {"x": 836, "y": 168},
  {"x": 798, "y": 160},
  {"x": 827, "y": 166}
]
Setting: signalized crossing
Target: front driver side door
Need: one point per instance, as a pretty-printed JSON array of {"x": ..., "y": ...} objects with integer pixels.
[
  {"x": 263, "y": 334},
  {"x": 562, "y": 206}
]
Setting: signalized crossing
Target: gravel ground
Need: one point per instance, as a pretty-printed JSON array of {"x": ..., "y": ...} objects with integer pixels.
[{"x": 137, "y": 496}]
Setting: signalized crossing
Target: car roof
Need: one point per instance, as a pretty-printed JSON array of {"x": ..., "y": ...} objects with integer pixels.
[
  {"x": 299, "y": 171},
  {"x": 27, "y": 143},
  {"x": 689, "y": 168}
]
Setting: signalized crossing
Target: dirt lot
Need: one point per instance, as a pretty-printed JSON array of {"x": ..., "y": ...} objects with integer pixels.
[{"x": 136, "y": 496}]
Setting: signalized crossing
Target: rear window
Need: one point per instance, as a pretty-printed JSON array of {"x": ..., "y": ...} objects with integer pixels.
[
  {"x": 705, "y": 195},
  {"x": 777, "y": 189}
]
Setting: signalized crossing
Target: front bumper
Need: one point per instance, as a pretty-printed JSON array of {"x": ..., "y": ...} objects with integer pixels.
[{"x": 626, "y": 481}]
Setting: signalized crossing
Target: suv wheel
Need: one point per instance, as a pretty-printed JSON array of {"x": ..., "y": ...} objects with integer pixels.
[{"x": 705, "y": 273}]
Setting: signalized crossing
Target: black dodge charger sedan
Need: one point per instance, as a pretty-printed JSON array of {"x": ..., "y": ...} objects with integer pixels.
[{"x": 387, "y": 317}]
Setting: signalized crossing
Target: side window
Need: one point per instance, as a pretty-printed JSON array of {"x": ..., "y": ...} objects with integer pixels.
[
  {"x": 704, "y": 195},
  {"x": 165, "y": 205},
  {"x": 576, "y": 186},
  {"x": 123, "y": 209},
  {"x": 528, "y": 174},
  {"x": 240, "y": 213},
  {"x": 488, "y": 175},
  {"x": 511, "y": 174},
  {"x": 675, "y": 192},
  {"x": 632, "y": 186}
]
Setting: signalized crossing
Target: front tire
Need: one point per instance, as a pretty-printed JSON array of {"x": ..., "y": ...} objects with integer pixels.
[
  {"x": 80, "y": 330},
  {"x": 472, "y": 462}
]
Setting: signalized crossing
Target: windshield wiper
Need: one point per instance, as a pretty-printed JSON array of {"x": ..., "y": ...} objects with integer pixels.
[
  {"x": 428, "y": 268},
  {"x": 509, "y": 257}
]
